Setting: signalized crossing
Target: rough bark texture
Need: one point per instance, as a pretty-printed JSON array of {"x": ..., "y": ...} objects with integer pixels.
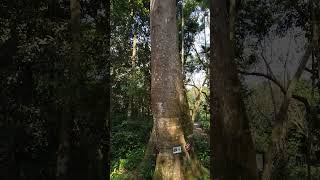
[
  {"x": 233, "y": 150},
  {"x": 165, "y": 97}
]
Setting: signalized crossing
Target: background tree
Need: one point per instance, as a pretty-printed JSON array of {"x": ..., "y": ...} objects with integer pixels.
[
  {"x": 33, "y": 83},
  {"x": 233, "y": 149}
]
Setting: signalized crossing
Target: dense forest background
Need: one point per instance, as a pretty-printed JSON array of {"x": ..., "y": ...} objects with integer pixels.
[
  {"x": 54, "y": 89},
  {"x": 75, "y": 89}
]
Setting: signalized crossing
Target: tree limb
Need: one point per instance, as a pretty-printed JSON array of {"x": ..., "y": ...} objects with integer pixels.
[
  {"x": 294, "y": 96},
  {"x": 274, "y": 80}
]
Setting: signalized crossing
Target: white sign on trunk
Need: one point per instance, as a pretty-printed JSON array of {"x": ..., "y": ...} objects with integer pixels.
[{"x": 176, "y": 150}]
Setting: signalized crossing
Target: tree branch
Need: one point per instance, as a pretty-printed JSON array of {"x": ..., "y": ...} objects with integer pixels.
[
  {"x": 199, "y": 57},
  {"x": 304, "y": 101},
  {"x": 267, "y": 77},
  {"x": 283, "y": 90},
  {"x": 308, "y": 70}
]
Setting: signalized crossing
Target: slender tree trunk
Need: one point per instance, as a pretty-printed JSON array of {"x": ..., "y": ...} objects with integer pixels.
[
  {"x": 165, "y": 97},
  {"x": 315, "y": 54},
  {"x": 233, "y": 150},
  {"x": 134, "y": 49},
  {"x": 232, "y": 20},
  {"x": 196, "y": 108},
  {"x": 133, "y": 59},
  {"x": 279, "y": 130},
  {"x": 308, "y": 149},
  {"x": 106, "y": 144},
  {"x": 316, "y": 33},
  {"x": 63, "y": 152},
  {"x": 101, "y": 149},
  {"x": 197, "y": 102},
  {"x": 131, "y": 105},
  {"x": 186, "y": 120},
  {"x": 63, "y": 171}
]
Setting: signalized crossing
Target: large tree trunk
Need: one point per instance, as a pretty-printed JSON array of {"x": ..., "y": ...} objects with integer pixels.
[
  {"x": 165, "y": 96},
  {"x": 233, "y": 150}
]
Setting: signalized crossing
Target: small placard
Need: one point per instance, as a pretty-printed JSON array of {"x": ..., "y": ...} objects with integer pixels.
[{"x": 176, "y": 150}]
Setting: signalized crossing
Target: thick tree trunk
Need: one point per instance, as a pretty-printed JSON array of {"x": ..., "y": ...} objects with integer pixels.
[
  {"x": 165, "y": 97},
  {"x": 233, "y": 150}
]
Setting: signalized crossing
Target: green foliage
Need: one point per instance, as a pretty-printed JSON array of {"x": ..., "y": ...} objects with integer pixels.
[
  {"x": 202, "y": 150},
  {"x": 122, "y": 167},
  {"x": 301, "y": 172},
  {"x": 128, "y": 145},
  {"x": 260, "y": 111}
]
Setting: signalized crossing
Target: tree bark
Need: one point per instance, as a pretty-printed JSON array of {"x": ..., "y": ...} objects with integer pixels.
[
  {"x": 196, "y": 107},
  {"x": 165, "y": 97},
  {"x": 233, "y": 148},
  {"x": 186, "y": 120},
  {"x": 63, "y": 171},
  {"x": 99, "y": 147}
]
